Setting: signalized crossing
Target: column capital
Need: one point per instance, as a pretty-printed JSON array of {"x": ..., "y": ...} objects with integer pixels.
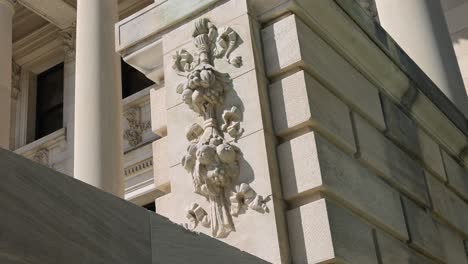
[
  {"x": 9, "y": 3},
  {"x": 68, "y": 37},
  {"x": 15, "y": 80}
]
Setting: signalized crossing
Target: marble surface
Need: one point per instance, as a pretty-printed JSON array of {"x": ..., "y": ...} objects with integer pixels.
[{"x": 48, "y": 217}]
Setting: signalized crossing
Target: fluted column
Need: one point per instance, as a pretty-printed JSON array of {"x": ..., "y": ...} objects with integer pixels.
[
  {"x": 419, "y": 27},
  {"x": 98, "y": 135},
  {"x": 6, "y": 44}
]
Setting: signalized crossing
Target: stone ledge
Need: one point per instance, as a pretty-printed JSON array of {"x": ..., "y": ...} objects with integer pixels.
[
  {"x": 323, "y": 232},
  {"x": 310, "y": 164},
  {"x": 48, "y": 141},
  {"x": 48, "y": 217},
  {"x": 424, "y": 84}
]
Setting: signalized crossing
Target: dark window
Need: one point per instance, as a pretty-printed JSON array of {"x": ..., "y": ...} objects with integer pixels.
[
  {"x": 132, "y": 80},
  {"x": 150, "y": 206},
  {"x": 49, "y": 101}
]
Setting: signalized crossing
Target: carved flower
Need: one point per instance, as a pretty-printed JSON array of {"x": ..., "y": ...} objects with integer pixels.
[
  {"x": 196, "y": 214},
  {"x": 231, "y": 116},
  {"x": 231, "y": 124},
  {"x": 236, "y": 61},
  {"x": 259, "y": 204},
  {"x": 242, "y": 196}
]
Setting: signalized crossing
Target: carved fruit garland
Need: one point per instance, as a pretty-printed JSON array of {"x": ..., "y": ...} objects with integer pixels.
[{"x": 211, "y": 160}]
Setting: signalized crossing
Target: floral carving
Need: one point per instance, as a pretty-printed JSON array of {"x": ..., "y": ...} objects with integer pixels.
[
  {"x": 15, "y": 80},
  {"x": 197, "y": 215},
  {"x": 42, "y": 157},
  {"x": 211, "y": 160},
  {"x": 134, "y": 133},
  {"x": 68, "y": 37}
]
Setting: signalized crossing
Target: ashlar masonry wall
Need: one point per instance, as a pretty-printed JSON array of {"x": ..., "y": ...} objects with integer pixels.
[{"x": 364, "y": 181}]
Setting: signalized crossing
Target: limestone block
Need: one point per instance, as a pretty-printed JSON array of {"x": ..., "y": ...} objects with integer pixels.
[
  {"x": 241, "y": 26},
  {"x": 299, "y": 101},
  {"x": 453, "y": 245},
  {"x": 287, "y": 45},
  {"x": 158, "y": 111},
  {"x": 457, "y": 175},
  {"x": 430, "y": 117},
  {"x": 342, "y": 32},
  {"x": 244, "y": 95},
  {"x": 323, "y": 232},
  {"x": 390, "y": 161},
  {"x": 423, "y": 230},
  {"x": 405, "y": 131},
  {"x": 448, "y": 205},
  {"x": 393, "y": 251},
  {"x": 161, "y": 165},
  {"x": 309, "y": 163}
]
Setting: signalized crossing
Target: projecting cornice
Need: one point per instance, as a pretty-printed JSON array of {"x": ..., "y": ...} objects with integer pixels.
[
  {"x": 42, "y": 43},
  {"x": 58, "y": 13},
  {"x": 9, "y": 3}
]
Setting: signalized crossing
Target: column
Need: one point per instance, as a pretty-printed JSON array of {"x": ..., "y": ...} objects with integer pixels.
[
  {"x": 6, "y": 44},
  {"x": 419, "y": 27},
  {"x": 98, "y": 133}
]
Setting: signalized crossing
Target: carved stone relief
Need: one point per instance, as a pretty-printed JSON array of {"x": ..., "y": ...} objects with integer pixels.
[
  {"x": 15, "y": 80},
  {"x": 42, "y": 157},
  {"x": 135, "y": 126},
  {"x": 210, "y": 159},
  {"x": 68, "y": 42}
]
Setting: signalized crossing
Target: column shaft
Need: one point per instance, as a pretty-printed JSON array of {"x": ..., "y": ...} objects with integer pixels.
[
  {"x": 419, "y": 27},
  {"x": 6, "y": 44},
  {"x": 98, "y": 134}
]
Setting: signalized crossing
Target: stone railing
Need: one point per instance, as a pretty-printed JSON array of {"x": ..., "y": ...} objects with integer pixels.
[{"x": 50, "y": 151}]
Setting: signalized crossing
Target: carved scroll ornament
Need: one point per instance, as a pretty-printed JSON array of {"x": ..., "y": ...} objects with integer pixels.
[
  {"x": 212, "y": 161},
  {"x": 136, "y": 127}
]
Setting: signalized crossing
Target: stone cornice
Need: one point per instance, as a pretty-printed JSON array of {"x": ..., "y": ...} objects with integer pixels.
[
  {"x": 36, "y": 44},
  {"x": 9, "y": 3}
]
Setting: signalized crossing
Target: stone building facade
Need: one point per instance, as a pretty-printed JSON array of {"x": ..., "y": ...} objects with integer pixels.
[{"x": 297, "y": 131}]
